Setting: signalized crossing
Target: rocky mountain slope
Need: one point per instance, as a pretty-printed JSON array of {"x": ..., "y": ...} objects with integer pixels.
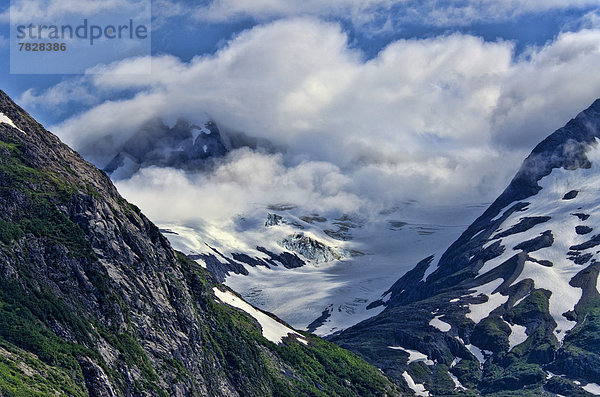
[
  {"x": 94, "y": 301},
  {"x": 512, "y": 307},
  {"x": 185, "y": 145}
]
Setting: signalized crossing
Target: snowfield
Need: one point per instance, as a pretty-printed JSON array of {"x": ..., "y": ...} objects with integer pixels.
[
  {"x": 414, "y": 355},
  {"x": 381, "y": 251},
  {"x": 271, "y": 329},
  {"x": 550, "y": 202},
  {"x": 418, "y": 388},
  {"x": 439, "y": 324}
]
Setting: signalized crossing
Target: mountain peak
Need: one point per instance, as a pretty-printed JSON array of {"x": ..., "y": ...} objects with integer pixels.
[
  {"x": 515, "y": 300},
  {"x": 186, "y": 146},
  {"x": 94, "y": 301},
  {"x": 12, "y": 114},
  {"x": 565, "y": 148}
]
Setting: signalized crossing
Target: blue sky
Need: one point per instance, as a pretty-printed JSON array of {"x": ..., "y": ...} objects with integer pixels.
[{"x": 436, "y": 100}]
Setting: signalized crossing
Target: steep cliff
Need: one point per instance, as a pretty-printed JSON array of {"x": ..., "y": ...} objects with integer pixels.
[{"x": 94, "y": 301}]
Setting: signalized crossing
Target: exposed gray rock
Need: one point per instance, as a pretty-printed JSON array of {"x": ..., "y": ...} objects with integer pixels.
[
  {"x": 311, "y": 249},
  {"x": 274, "y": 220},
  {"x": 583, "y": 229},
  {"x": 570, "y": 195}
]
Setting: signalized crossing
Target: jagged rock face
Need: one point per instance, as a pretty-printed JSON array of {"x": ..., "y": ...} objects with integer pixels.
[
  {"x": 298, "y": 250},
  {"x": 93, "y": 297},
  {"x": 515, "y": 298},
  {"x": 311, "y": 249},
  {"x": 185, "y": 146},
  {"x": 274, "y": 220}
]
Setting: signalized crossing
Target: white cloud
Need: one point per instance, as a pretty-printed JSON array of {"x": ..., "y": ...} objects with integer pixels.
[
  {"x": 448, "y": 13},
  {"x": 75, "y": 90},
  {"x": 548, "y": 88},
  {"x": 376, "y": 14},
  {"x": 591, "y": 20},
  {"x": 446, "y": 118},
  {"x": 245, "y": 181},
  {"x": 221, "y": 10},
  {"x": 297, "y": 81}
]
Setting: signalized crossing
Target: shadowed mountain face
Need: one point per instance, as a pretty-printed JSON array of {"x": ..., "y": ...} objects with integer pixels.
[
  {"x": 94, "y": 301},
  {"x": 514, "y": 302},
  {"x": 185, "y": 146}
]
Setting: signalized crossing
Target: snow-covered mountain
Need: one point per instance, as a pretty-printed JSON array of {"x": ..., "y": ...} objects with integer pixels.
[
  {"x": 319, "y": 272},
  {"x": 514, "y": 303},
  {"x": 317, "y": 269}
]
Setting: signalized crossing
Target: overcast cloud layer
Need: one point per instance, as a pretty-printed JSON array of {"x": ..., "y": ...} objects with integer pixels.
[{"x": 445, "y": 119}]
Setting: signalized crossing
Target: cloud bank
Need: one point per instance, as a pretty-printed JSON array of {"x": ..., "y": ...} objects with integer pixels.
[
  {"x": 445, "y": 119},
  {"x": 245, "y": 182}
]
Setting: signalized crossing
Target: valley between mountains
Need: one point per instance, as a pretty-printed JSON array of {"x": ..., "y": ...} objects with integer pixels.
[{"x": 493, "y": 300}]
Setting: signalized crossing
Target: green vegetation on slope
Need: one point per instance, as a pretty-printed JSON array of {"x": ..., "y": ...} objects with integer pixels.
[{"x": 47, "y": 330}]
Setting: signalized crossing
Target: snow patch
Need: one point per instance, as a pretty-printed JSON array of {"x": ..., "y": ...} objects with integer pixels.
[
  {"x": 520, "y": 300},
  {"x": 271, "y": 329},
  {"x": 477, "y": 234},
  {"x": 439, "y": 324},
  {"x": 414, "y": 355},
  {"x": 385, "y": 298},
  {"x": 488, "y": 244},
  {"x": 499, "y": 215},
  {"x": 457, "y": 384},
  {"x": 517, "y": 335},
  {"x": 479, "y": 311},
  {"x": 6, "y": 120},
  {"x": 592, "y": 388},
  {"x": 418, "y": 388},
  {"x": 196, "y": 132},
  {"x": 476, "y": 352}
]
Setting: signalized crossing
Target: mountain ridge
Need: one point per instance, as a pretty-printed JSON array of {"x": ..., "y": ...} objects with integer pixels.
[
  {"x": 514, "y": 300},
  {"x": 94, "y": 301}
]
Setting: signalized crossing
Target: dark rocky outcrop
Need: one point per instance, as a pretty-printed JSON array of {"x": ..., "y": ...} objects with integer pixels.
[{"x": 185, "y": 146}]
